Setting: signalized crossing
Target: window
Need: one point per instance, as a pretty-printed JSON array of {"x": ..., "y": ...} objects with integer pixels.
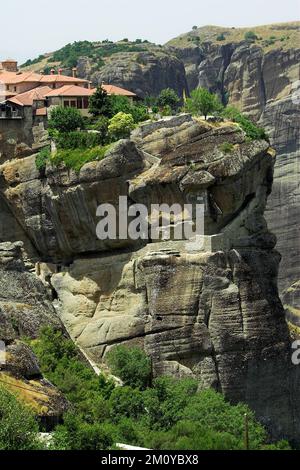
[
  {"x": 79, "y": 103},
  {"x": 73, "y": 104},
  {"x": 85, "y": 103},
  {"x": 66, "y": 104}
]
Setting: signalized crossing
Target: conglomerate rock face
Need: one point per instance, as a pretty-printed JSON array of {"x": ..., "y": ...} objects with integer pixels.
[{"x": 209, "y": 311}]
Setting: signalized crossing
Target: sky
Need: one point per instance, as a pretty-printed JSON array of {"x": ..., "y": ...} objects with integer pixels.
[{"x": 33, "y": 27}]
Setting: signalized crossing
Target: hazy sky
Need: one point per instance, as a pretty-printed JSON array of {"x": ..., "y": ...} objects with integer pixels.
[{"x": 31, "y": 27}]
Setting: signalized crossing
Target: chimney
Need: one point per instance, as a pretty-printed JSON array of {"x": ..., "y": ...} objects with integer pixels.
[
  {"x": 10, "y": 65},
  {"x": 52, "y": 71},
  {"x": 59, "y": 71},
  {"x": 74, "y": 72}
]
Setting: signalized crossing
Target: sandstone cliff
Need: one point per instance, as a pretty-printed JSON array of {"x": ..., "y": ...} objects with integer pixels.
[
  {"x": 262, "y": 79},
  {"x": 208, "y": 311}
]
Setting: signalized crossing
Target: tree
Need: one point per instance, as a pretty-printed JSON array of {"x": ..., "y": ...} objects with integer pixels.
[
  {"x": 120, "y": 126},
  {"x": 131, "y": 365},
  {"x": 18, "y": 428},
  {"x": 101, "y": 126},
  {"x": 168, "y": 97},
  {"x": 99, "y": 103},
  {"x": 202, "y": 102},
  {"x": 65, "y": 119},
  {"x": 75, "y": 434},
  {"x": 124, "y": 105},
  {"x": 126, "y": 402},
  {"x": 195, "y": 27}
]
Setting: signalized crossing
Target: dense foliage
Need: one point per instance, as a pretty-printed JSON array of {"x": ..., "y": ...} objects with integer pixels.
[
  {"x": 99, "y": 103},
  {"x": 139, "y": 112},
  {"x": 65, "y": 119},
  {"x": 78, "y": 139},
  {"x": 131, "y": 365},
  {"x": 77, "y": 157},
  {"x": 102, "y": 105},
  {"x": 252, "y": 131},
  {"x": 69, "y": 54},
  {"x": 120, "y": 126},
  {"x": 168, "y": 98},
  {"x": 18, "y": 428},
  {"x": 171, "y": 414},
  {"x": 42, "y": 158}
]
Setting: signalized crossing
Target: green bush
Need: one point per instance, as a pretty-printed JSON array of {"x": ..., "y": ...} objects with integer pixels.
[
  {"x": 168, "y": 97},
  {"x": 250, "y": 36},
  {"x": 65, "y": 119},
  {"x": 131, "y": 365},
  {"x": 42, "y": 158},
  {"x": 202, "y": 102},
  {"x": 252, "y": 131},
  {"x": 221, "y": 37},
  {"x": 18, "y": 428},
  {"x": 166, "y": 401},
  {"x": 62, "y": 364},
  {"x": 126, "y": 402},
  {"x": 75, "y": 434},
  {"x": 166, "y": 111},
  {"x": 76, "y": 158},
  {"x": 78, "y": 140},
  {"x": 120, "y": 126},
  {"x": 124, "y": 105},
  {"x": 227, "y": 147},
  {"x": 101, "y": 126}
]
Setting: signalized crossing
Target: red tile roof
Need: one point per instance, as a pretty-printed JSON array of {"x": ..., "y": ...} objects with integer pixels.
[
  {"x": 41, "y": 112},
  {"x": 60, "y": 78},
  {"x": 71, "y": 90},
  {"x": 13, "y": 78},
  {"x": 115, "y": 90},
  {"x": 27, "y": 98}
]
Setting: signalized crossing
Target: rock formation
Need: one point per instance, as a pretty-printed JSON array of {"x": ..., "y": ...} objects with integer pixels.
[
  {"x": 209, "y": 311},
  {"x": 262, "y": 79},
  {"x": 24, "y": 310},
  {"x": 145, "y": 73}
]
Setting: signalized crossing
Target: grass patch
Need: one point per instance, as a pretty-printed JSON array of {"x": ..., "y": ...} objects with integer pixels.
[
  {"x": 227, "y": 147},
  {"x": 75, "y": 158}
]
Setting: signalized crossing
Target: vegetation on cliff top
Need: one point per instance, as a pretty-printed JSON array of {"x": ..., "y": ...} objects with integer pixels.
[
  {"x": 273, "y": 36},
  {"x": 268, "y": 37}
]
